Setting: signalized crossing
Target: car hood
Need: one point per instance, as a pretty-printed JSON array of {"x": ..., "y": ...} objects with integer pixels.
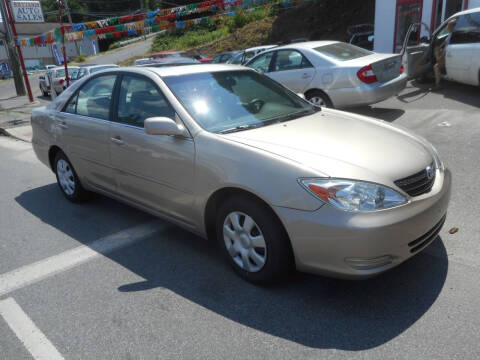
[{"x": 340, "y": 144}]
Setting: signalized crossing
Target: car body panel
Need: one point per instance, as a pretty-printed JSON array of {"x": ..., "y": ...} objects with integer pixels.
[{"x": 156, "y": 171}]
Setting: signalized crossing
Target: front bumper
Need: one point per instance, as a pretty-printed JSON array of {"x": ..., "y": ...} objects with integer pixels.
[
  {"x": 356, "y": 245},
  {"x": 367, "y": 94}
]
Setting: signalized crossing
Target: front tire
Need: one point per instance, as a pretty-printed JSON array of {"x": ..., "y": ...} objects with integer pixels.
[
  {"x": 68, "y": 181},
  {"x": 253, "y": 241}
]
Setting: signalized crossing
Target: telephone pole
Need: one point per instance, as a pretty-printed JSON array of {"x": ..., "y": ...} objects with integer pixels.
[{"x": 11, "y": 53}]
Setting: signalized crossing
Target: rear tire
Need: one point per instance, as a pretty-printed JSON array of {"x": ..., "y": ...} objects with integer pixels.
[
  {"x": 253, "y": 241},
  {"x": 68, "y": 181},
  {"x": 319, "y": 98}
]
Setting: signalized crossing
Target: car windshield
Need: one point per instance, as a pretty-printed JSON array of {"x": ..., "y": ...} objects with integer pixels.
[
  {"x": 342, "y": 51},
  {"x": 60, "y": 73},
  {"x": 229, "y": 101}
]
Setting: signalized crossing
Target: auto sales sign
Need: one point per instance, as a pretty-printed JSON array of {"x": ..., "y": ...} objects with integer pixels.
[{"x": 27, "y": 11}]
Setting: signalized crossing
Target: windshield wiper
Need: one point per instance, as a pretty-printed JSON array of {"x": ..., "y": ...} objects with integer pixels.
[
  {"x": 241, "y": 128},
  {"x": 291, "y": 116}
]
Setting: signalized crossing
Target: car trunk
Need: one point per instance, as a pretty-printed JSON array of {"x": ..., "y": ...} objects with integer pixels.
[{"x": 385, "y": 66}]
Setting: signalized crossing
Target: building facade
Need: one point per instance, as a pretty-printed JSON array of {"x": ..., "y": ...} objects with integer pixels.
[{"x": 394, "y": 17}]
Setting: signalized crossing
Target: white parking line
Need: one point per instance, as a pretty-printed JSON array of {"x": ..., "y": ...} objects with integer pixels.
[
  {"x": 33, "y": 339},
  {"x": 42, "y": 269}
]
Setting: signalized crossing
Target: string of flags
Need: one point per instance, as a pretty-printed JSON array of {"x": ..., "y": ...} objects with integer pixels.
[{"x": 153, "y": 21}]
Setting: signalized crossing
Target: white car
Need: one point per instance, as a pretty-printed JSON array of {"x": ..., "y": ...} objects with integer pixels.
[
  {"x": 462, "y": 60},
  {"x": 332, "y": 73}
]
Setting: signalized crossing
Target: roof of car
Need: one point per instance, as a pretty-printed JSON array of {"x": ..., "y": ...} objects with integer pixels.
[
  {"x": 102, "y": 65},
  {"x": 465, "y": 12},
  {"x": 307, "y": 44},
  {"x": 189, "y": 69},
  {"x": 260, "y": 47},
  {"x": 63, "y": 67}
]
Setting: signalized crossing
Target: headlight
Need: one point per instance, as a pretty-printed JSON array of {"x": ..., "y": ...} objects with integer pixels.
[
  {"x": 438, "y": 162},
  {"x": 351, "y": 195}
]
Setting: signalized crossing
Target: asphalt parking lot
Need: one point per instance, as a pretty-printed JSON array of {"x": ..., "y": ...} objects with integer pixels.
[{"x": 105, "y": 281}]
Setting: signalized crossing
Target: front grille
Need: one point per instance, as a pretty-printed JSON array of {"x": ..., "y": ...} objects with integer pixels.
[
  {"x": 425, "y": 239},
  {"x": 419, "y": 183}
]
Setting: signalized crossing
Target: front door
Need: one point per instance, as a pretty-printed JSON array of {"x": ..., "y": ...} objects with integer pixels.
[
  {"x": 156, "y": 171},
  {"x": 292, "y": 69}
]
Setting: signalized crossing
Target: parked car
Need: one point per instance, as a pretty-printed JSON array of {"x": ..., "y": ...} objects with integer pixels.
[
  {"x": 58, "y": 77},
  {"x": 142, "y": 61},
  {"x": 170, "y": 62},
  {"x": 90, "y": 69},
  {"x": 165, "y": 54},
  {"x": 201, "y": 58},
  {"x": 462, "y": 61},
  {"x": 362, "y": 35},
  {"x": 224, "y": 57},
  {"x": 48, "y": 67},
  {"x": 332, "y": 73},
  {"x": 230, "y": 154},
  {"x": 243, "y": 56}
]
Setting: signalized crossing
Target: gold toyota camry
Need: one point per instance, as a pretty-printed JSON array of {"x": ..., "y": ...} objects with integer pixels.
[{"x": 232, "y": 155}]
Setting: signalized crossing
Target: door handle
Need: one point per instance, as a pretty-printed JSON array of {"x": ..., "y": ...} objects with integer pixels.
[
  {"x": 117, "y": 140},
  {"x": 305, "y": 76},
  {"x": 63, "y": 125}
]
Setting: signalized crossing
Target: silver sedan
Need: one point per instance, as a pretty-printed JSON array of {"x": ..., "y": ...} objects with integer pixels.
[
  {"x": 333, "y": 74},
  {"x": 231, "y": 155}
]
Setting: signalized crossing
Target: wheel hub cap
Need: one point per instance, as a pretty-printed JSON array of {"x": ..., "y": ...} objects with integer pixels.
[
  {"x": 65, "y": 177},
  {"x": 317, "y": 101},
  {"x": 244, "y": 241}
]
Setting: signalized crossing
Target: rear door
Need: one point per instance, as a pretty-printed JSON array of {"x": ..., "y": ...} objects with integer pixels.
[
  {"x": 292, "y": 69},
  {"x": 154, "y": 170},
  {"x": 462, "y": 50},
  {"x": 83, "y": 125}
]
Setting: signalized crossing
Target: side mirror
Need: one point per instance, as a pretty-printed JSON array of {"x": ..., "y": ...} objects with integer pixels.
[{"x": 163, "y": 126}]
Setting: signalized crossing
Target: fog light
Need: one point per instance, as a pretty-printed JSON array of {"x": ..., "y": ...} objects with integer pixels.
[{"x": 369, "y": 263}]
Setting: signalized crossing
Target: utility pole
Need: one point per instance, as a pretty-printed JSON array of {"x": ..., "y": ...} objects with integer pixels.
[
  {"x": 62, "y": 30},
  {"x": 67, "y": 9},
  {"x": 11, "y": 53}
]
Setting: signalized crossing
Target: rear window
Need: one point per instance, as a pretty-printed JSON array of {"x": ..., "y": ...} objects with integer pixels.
[{"x": 342, "y": 51}]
